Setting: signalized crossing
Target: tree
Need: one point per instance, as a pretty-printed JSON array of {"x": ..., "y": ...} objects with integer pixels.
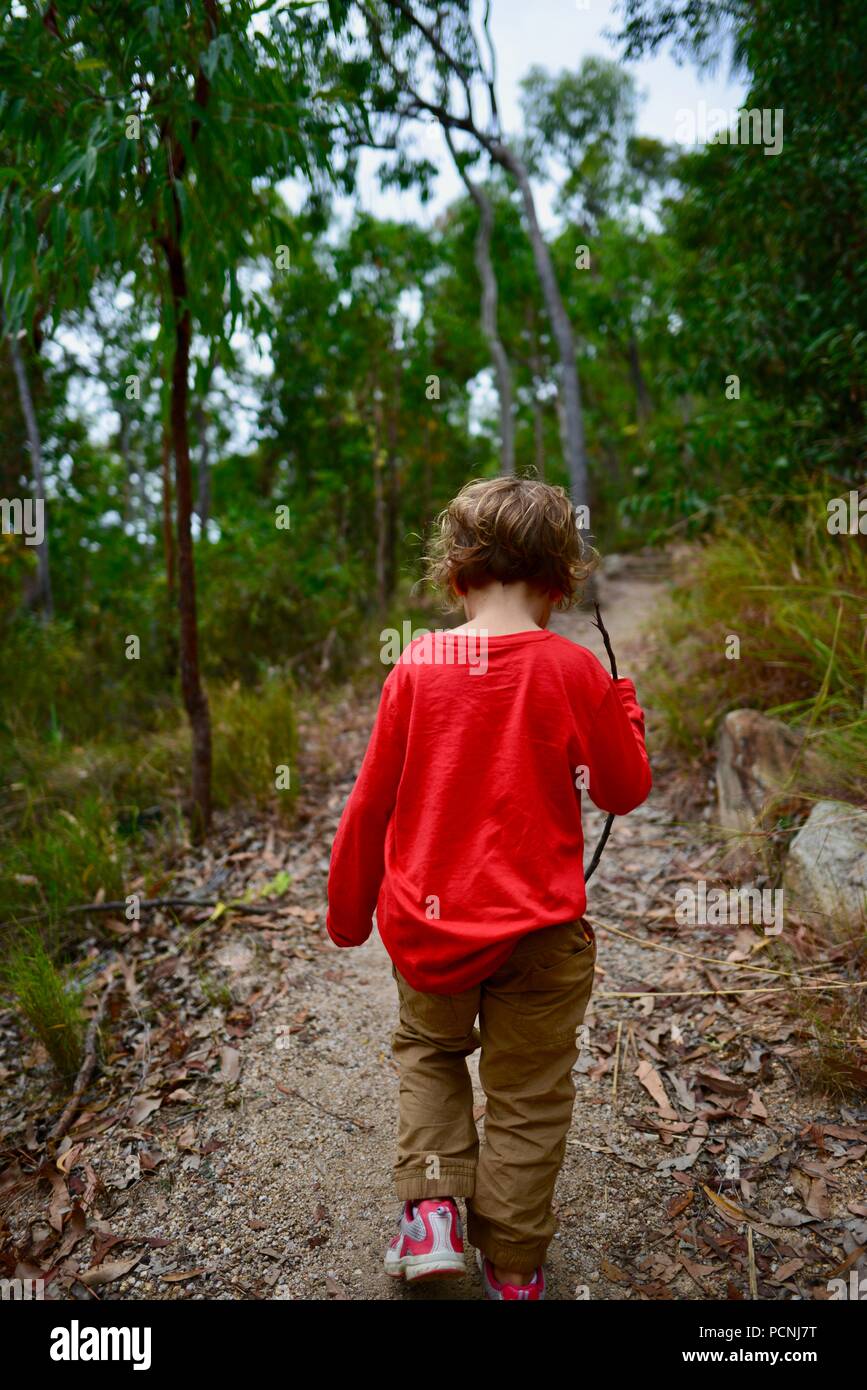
[
  {"x": 488, "y": 279},
  {"x": 143, "y": 131},
  {"x": 772, "y": 286},
  {"x": 411, "y": 40}
]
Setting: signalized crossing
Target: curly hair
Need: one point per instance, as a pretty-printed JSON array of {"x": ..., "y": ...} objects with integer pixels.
[{"x": 508, "y": 530}]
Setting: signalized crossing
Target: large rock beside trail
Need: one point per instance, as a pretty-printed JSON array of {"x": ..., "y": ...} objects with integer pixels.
[
  {"x": 825, "y": 877},
  {"x": 754, "y": 758}
]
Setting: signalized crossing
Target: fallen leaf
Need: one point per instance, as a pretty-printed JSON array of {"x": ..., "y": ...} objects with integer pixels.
[
  {"x": 678, "y": 1205},
  {"x": 652, "y": 1082},
  {"x": 107, "y": 1273},
  {"x": 611, "y": 1271},
  {"x": 230, "y": 1064},
  {"x": 817, "y": 1201},
  {"x": 144, "y": 1106}
]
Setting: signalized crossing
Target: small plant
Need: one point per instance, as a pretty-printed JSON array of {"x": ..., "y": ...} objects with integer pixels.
[
  {"x": 254, "y": 735},
  {"x": 49, "y": 1004}
]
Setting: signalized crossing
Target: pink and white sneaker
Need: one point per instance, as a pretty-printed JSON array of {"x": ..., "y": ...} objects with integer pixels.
[
  {"x": 495, "y": 1290},
  {"x": 429, "y": 1243}
]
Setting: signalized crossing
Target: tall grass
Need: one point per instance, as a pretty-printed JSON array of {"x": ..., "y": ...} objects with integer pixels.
[
  {"x": 794, "y": 595},
  {"x": 71, "y": 815}
]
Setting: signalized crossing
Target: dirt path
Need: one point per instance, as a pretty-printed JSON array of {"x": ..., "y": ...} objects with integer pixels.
[{"x": 268, "y": 1175}]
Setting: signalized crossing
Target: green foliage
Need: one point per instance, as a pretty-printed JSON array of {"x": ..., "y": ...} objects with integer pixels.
[
  {"x": 59, "y": 857},
  {"x": 49, "y": 1004},
  {"x": 255, "y": 734},
  {"x": 794, "y": 595}
]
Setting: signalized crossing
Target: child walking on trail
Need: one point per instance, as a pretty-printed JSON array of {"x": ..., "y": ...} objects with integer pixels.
[{"x": 463, "y": 832}]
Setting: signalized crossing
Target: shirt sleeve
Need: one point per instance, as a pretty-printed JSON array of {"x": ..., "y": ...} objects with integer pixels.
[
  {"x": 358, "y": 853},
  {"x": 618, "y": 767}
]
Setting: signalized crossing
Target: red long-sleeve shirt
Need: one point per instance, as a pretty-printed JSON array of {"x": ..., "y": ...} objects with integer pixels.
[{"x": 463, "y": 829}]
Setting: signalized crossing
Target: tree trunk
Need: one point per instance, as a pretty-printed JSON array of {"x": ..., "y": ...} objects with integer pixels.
[
  {"x": 380, "y": 519},
  {"x": 487, "y": 276},
  {"x": 124, "y": 451},
  {"x": 489, "y": 328},
  {"x": 41, "y": 595},
  {"x": 572, "y": 419},
  {"x": 203, "y": 502},
  {"x": 643, "y": 403},
  {"x": 195, "y": 700},
  {"x": 168, "y": 530},
  {"x": 538, "y": 413},
  {"x": 391, "y": 485}
]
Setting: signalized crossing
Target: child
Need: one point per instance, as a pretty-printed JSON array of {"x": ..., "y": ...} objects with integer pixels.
[{"x": 463, "y": 831}]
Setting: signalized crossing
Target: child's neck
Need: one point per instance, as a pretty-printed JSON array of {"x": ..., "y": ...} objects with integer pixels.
[{"x": 503, "y": 609}]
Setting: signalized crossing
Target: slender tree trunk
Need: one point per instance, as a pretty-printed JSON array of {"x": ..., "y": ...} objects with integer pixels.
[
  {"x": 391, "y": 485},
  {"x": 487, "y": 276},
  {"x": 538, "y": 413},
  {"x": 195, "y": 699},
  {"x": 427, "y": 480},
  {"x": 203, "y": 501},
  {"x": 168, "y": 528},
  {"x": 502, "y": 367},
  {"x": 41, "y": 596},
  {"x": 380, "y": 520},
  {"x": 643, "y": 403},
  {"x": 123, "y": 448},
  {"x": 572, "y": 419}
]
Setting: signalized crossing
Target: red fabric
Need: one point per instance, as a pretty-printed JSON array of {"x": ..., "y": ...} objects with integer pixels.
[{"x": 463, "y": 828}]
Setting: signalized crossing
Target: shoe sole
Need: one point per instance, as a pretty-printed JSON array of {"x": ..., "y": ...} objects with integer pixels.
[{"x": 412, "y": 1268}]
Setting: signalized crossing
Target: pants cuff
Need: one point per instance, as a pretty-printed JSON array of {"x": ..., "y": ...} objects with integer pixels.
[
  {"x": 455, "y": 1180},
  {"x": 522, "y": 1255}
]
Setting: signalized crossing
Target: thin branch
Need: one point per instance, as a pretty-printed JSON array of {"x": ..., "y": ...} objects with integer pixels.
[
  {"x": 86, "y": 1069},
  {"x": 606, "y": 829}
]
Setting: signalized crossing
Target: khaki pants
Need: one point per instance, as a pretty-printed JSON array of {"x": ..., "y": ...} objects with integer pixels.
[{"x": 529, "y": 1011}]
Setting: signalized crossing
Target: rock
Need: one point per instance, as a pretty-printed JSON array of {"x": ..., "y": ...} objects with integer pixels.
[
  {"x": 612, "y": 566},
  {"x": 754, "y": 758},
  {"x": 825, "y": 876}
]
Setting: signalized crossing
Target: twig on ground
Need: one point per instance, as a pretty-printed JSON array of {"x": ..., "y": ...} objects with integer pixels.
[{"x": 86, "y": 1069}]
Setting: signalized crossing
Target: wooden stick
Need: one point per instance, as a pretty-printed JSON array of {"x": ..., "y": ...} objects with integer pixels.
[
  {"x": 663, "y": 993},
  {"x": 606, "y": 829},
  {"x": 85, "y": 1071},
  {"x": 616, "y": 1062},
  {"x": 694, "y": 955},
  {"x": 117, "y": 904}
]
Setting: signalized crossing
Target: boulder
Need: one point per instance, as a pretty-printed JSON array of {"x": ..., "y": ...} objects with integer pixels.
[
  {"x": 825, "y": 875},
  {"x": 754, "y": 758}
]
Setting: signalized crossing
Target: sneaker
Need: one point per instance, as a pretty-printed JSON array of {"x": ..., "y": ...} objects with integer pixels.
[
  {"x": 429, "y": 1243},
  {"x": 494, "y": 1289}
]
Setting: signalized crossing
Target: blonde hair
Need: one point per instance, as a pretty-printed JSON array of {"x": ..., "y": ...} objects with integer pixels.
[{"x": 508, "y": 530}]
